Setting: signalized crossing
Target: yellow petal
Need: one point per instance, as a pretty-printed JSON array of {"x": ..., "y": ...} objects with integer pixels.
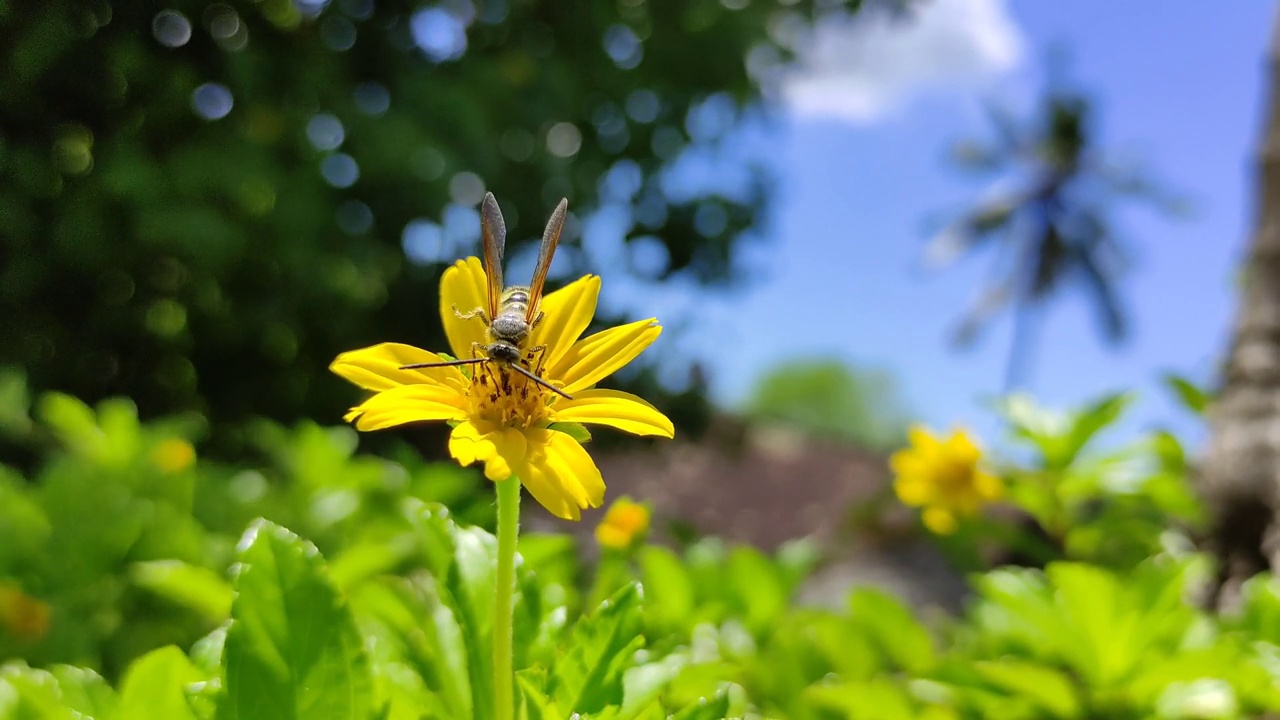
[
  {"x": 560, "y": 475},
  {"x": 907, "y": 462},
  {"x": 614, "y": 408},
  {"x": 913, "y": 490},
  {"x": 962, "y": 447},
  {"x": 939, "y": 520},
  {"x": 502, "y": 450},
  {"x": 409, "y": 403},
  {"x": 988, "y": 486},
  {"x": 565, "y": 315},
  {"x": 924, "y": 442},
  {"x": 594, "y": 358},
  {"x": 463, "y": 289},
  {"x": 378, "y": 367}
]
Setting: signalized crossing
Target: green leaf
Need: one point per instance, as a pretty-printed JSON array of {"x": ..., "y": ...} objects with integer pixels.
[
  {"x": 577, "y": 431},
  {"x": 190, "y": 586},
  {"x": 535, "y": 705},
  {"x": 84, "y": 691},
  {"x": 1087, "y": 423},
  {"x": 30, "y": 694},
  {"x": 713, "y": 709},
  {"x": 417, "y": 645},
  {"x": 895, "y": 629},
  {"x": 466, "y": 560},
  {"x": 1047, "y": 688},
  {"x": 759, "y": 587},
  {"x": 292, "y": 651},
  {"x": 669, "y": 590},
  {"x": 153, "y": 686},
  {"x": 589, "y": 675},
  {"x": 1194, "y": 398},
  {"x": 877, "y": 699},
  {"x": 643, "y": 684}
]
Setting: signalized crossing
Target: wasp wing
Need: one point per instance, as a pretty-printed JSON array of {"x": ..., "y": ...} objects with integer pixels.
[
  {"x": 493, "y": 231},
  {"x": 550, "y": 238}
]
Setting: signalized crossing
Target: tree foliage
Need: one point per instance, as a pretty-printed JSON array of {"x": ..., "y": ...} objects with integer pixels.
[
  {"x": 829, "y": 398},
  {"x": 201, "y": 203}
]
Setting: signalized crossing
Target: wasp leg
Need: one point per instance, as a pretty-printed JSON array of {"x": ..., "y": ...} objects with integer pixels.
[
  {"x": 478, "y": 312},
  {"x": 536, "y": 319},
  {"x": 541, "y": 352}
]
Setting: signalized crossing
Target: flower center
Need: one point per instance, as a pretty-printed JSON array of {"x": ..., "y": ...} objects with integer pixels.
[{"x": 504, "y": 397}]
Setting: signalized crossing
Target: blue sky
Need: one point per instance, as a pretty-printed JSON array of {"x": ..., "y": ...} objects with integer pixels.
[{"x": 1176, "y": 86}]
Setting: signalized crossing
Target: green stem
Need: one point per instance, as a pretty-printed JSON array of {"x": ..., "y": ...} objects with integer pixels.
[{"x": 503, "y": 601}]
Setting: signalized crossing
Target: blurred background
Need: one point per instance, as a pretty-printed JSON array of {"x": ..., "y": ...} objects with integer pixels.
[{"x": 849, "y": 217}]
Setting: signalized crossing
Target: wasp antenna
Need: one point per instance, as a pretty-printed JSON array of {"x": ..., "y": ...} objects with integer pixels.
[
  {"x": 443, "y": 363},
  {"x": 541, "y": 382}
]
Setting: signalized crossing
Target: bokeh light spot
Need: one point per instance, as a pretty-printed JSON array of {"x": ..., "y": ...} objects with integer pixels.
[
  {"x": 642, "y": 106},
  {"x": 325, "y": 131},
  {"x": 466, "y": 188},
  {"x": 564, "y": 140},
  {"x": 354, "y": 217},
  {"x": 73, "y": 149},
  {"x": 428, "y": 163},
  {"x": 517, "y": 144},
  {"x": 622, "y": 46},
  {"x": 441, "y": 36},
  {"x": 372, "y": 98},
  {"x": 171, "y": 28},
  {"x": 340, "y": 170},
  {"x": 423, "y": 242},
  {"x": 338, "y": 33},
  {"x": 212, "y": 101},
  {"x": 166, "y": 318}
]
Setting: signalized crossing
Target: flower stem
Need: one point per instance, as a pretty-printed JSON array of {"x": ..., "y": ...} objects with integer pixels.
[{"x": 503, "y": 601}]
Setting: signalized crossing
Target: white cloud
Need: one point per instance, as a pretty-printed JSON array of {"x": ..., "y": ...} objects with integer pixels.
[{"x": 862, "y": 68}]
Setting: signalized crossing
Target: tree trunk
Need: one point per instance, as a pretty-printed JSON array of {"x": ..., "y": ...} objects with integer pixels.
[{"x": 1240, "y": 477}]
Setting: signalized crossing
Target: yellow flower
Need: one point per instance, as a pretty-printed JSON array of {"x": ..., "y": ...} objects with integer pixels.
[
  {"x": 625, "y": 521},
  {"x": 942, "y": 476},
  {"x": 23, "y": 616},
  {"x": 173, "y": 455},
  {"x": 500, "y": 418}
]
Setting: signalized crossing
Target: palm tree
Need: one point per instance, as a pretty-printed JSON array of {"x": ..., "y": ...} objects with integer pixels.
[
  {"x": 1240, "y": 476},
  {"x": 1048, "y": 212}
]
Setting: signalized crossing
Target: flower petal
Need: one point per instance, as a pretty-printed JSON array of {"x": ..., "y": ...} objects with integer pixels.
[
  {"x": 594, "y": 358},
  {"x": 565, "y": 315},
  {"x": 502, "y": 450},
  {"x": 914, "y": 490},
  {"x": 378, "y": 367},
  {"x": 406, "y": 404},
  {"x": 463, "y": 289},
  {"x": 939, "y": 520},
  {"x": 614, "y": 408},
  {"x": 560, "y": 475},
  {"x": 923, "y": 441}
]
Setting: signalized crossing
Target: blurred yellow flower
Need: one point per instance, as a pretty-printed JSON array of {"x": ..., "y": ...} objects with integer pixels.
[
  {"x": 943, "y": 477},
  {"x": 625, "y": 522},
  {"x": 22, "y": 616},
  {"x": 500, "y": 418},
  {"x": 173, "y": 455}
]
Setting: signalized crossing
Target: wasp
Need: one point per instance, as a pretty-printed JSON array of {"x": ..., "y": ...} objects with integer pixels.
[{"x": 511, "y": 313}]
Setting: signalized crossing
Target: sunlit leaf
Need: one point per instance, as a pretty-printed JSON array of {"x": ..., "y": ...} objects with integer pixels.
[{"x": 292, "y": 650}]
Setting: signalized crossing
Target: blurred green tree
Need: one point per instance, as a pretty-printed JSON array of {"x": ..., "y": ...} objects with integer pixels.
[
  {"x": 1049, "y": 210},
  {"x": 201, "y": 203},
  {"x": 831, "y": 399}
]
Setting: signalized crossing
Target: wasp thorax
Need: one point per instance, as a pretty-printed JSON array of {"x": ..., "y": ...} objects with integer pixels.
[{"x": 509, "y": 327}]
